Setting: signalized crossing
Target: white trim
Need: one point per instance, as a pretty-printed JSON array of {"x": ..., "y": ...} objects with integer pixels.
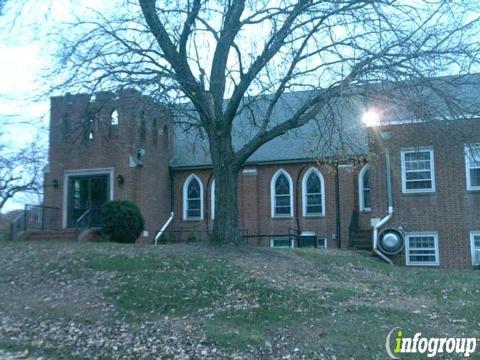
[
  {"x": 83, "y": 172},
  {"x": 272, "y": 194},
  {"x": 304, "y": 192},
  {"x": 272, "y": 243},
  {"x": 467, "y": 149},
  {"x": 472, "y": 246},
  {"x": 184, "y": 202},
  {"x": 212, "y": 199},
  {"x": 361, "y": 189},
  {"x": 325, "y": 240},
  {"x": 433, "y": 234},
  {"x": 249, "y": 171},
  {"x": 432, "y": 170},
  {"x": 467, "y": 116}
]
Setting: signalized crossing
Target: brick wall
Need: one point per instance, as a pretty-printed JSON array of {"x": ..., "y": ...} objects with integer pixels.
[
  {"x": 255, "y": 206},
  {"x": 451, "y": 210},
  {"x": 142, "y": 124}
]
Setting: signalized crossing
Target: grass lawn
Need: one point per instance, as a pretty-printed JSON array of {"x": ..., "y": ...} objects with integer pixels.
[{"x": 100, "y": 300}]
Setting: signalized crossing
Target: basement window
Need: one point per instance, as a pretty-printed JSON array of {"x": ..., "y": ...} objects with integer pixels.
[
  {"x": 418, "y": 174},
  {"x": 475, "y": 247},
  {"x": 321, "y": 243},
  {"x": 282, "y": 243},
  {"x": 421, "y": 249},
  {"x": 472, "y": 166}
]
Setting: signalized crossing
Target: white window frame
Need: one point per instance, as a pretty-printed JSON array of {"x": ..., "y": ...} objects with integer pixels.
[
  {"x": 433, "y": 234},
  {"x": 212, "y": 199},
  {"x": 325, "y": 240},
  {"x": 472, "y": 246},
  {"x": 468, "y": 167},
  {"x": 404, "y": 176},
  {"x": 81, "y": 172},
  {"x": 273, "y": 198},
  {"x": 272, "y": 243},
  {"x": 185, "y": 197},
  {"x": 361, "y": 189},
  {"x": 304, "y": 192}
]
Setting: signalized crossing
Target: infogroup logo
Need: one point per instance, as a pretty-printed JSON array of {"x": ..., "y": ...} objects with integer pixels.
[{"x": 397, "y": 343}]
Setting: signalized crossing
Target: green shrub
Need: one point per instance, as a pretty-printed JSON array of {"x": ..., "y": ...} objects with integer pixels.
[{"x": 122, "y": 221}]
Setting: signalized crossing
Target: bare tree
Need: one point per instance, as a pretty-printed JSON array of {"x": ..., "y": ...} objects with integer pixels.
[
  {"x": 20, "y": 171},
  {"x": 225, "y": 55}
]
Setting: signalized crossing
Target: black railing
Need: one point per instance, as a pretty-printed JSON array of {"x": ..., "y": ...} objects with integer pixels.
[
  {"x": 264, "y": 240},
  {"x": 90, "y": 218},
  {"x": 35, "y": 217}
]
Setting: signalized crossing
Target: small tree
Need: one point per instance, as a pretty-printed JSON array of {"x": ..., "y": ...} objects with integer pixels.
[
  {"x": 20, "y": 171},
  {"x": 122, "y": 221}
]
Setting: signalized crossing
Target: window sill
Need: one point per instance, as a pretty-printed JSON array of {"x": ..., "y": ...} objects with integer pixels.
[
  {"x": 314, "y": 216},
  {"x": 282, "y": 217},
  {"x": 422, "y": 265},
  {"x": 365, "y": 211},
  {"x": 420, "y": 193},
  {"x": 192, "y": 219}
]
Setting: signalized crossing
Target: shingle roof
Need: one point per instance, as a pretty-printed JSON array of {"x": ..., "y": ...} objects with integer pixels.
[{"x": 338, "y": 130}]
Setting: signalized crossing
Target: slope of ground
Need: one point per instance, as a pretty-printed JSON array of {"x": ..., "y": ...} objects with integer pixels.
[{"x": 96, "y": 301}]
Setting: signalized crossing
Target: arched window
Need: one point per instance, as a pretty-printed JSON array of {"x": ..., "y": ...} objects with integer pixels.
[
  {"x": 364, "y": 189},
  {"x": 212, "y": 199},
  {"x": 313, "y": 193},
  {"x": 192, "y": 198},
  {"x": 281, "y": 194}
]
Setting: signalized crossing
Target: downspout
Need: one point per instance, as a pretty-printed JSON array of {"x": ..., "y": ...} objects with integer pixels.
[
  {"x": 390, "y": 208},
  {"x": 337, "y": 207}
]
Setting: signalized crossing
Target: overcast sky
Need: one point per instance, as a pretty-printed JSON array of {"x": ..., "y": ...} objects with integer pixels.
[{"x": 26, "y": 53}]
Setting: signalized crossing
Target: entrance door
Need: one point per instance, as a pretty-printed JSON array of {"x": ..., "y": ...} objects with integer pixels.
[{"x": 86, "y": 193}]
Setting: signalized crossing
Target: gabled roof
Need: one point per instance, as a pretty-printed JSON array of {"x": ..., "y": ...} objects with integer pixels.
[{"x": 337, "y": 131}]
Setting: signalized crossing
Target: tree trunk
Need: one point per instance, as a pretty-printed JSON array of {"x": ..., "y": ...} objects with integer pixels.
[{"x": 225, "y": 225}]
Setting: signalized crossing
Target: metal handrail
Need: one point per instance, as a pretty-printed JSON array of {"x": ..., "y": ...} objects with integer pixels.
[
  {"x": 79, "y": 221},
  {"x": 86, "y": 212},
  {"x": 164, "y": 227}
]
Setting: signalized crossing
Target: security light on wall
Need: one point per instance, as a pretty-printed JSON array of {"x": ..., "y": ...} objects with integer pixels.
[
  {"x": 140, "y": 154},
  {"x": 371, "y": 117}
]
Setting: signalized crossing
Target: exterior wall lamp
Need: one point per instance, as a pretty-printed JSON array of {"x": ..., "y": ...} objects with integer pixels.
[{"x": 120, "y": 179}]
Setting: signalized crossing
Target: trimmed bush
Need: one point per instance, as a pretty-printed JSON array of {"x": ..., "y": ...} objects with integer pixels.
[{"x": 122, "y": 221}]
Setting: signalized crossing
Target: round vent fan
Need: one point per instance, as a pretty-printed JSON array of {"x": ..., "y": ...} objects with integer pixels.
[{"x": 391, "y": 241}]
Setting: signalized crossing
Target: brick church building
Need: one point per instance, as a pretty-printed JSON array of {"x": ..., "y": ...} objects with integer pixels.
[{"x": 409, "y": 190}]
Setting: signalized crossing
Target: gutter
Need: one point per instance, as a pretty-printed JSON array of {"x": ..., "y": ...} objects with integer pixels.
[{"x": 390, "y": 208}]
